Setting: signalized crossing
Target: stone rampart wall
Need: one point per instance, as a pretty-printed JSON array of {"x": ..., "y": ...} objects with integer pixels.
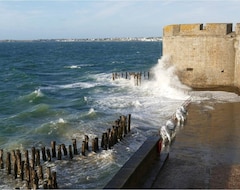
[{"x": 204, "y": 56}]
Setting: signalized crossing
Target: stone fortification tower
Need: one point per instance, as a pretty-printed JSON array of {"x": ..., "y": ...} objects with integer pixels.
[{"x": 204, "y": 56}]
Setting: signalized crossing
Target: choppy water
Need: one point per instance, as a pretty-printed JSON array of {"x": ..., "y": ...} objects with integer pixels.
[{"x": 59, "y": 91}]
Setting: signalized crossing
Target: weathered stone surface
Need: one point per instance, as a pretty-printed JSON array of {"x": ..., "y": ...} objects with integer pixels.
[{"x": 204, "y": 56}]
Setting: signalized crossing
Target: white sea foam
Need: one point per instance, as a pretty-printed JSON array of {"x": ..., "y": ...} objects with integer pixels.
[
  {"x": 91, "y": 111},
  {"x": 73, "y": 67},
  {"x": 165, "y": 82}
]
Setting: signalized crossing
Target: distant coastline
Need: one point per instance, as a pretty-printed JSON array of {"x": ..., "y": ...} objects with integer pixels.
[{"x": 141, "y": 39}]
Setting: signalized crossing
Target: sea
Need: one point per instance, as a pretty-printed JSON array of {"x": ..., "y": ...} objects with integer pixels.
[{"x": 59, "y": 91}]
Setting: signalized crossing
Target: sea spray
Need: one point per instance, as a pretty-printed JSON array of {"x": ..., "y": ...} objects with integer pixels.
[{"x": 165, "y": 82}]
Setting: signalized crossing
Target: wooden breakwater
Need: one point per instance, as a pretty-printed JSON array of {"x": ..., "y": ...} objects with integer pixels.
[
  {"x": 29, "y": 166},
  {"x": 137, "y": 77}
]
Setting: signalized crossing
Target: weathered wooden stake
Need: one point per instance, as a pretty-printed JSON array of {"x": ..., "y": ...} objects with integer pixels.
[
  {"x": 104, "y": 141},
  {"x": 120, "y": 130},
  {"x": 19, "y": 159},
  {"x": 40, "y": 172},
  {"x": 26, "y": 157},
  {"x": 70, "y": 151},
  {"x": 83, "y": 148},
  {"x": 33, "y": 155},
  {"x": 59, "y": 152},
  {"x": 32, "y": 163},
  {"x": 116, "y": 133},
  {"x": 49, "y": 178},
  {"x": 86, "y": 142},
  {"x": 8, "y": 163},
  {"x": 44, "y": 157},
  {"x": 27, "y": 172},
  {"x": 110, "y": 138},
  {"x": 129, "y": 123},
  {"x": 22, "y": 170},
  {"x": 48, "y": 155},
  {"x": 53, "y": 145},
  {"x": 74, "y": 146},
  {"x": 96, "y": 144},
  {"x": 15, "y": 169},
  {"x": 35, "y": 179},
  {"x": 123, "y": 124},
  {"x": 93, "y": 146},
  {"x": 37, "y": 157},
  {"x": 64, "y": 149},
  {"x": 54, "y": 180},
  {"x": 1, "y": 159}
]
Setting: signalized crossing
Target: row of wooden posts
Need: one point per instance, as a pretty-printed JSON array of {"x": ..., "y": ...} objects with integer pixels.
[
  {"x": 136, "y": 76},
  {"x": 31, "y": 170}
]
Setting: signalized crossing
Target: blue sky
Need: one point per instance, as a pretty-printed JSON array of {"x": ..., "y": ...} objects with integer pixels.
[{"x": 32, "y": 19}]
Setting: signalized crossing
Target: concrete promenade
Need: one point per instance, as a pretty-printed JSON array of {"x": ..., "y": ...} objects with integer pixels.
[{"x": 206, "y": 152}]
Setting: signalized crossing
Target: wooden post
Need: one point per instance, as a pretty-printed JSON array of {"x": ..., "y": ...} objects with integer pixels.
[
  {"x": 120, "y": 130},
  {"x": 15, "y": 169},
  {"x": 53, "y": 145},
  {"x": 129, "y": 122},
  {"x": 8, "y": 163},
  {"x": 35, "y": 179},
  {"x": 83, "y": 148},
  {"x": 44, "y": 158},
  {"x": 64, "y": 149},
  {"x": 32, "y": 163},
  {"x": 75, "y": 152},
  {"x": 70, "y": 151},
  {"x": 86, "y": 142},
  {"x": 110, "y": 139},
  {"x": 22, "y": 170},
  {"x": 123, "y": 124},
  {"x": 13, "y": 155},
  {"x": 37, "y": 157},
  {"x": 59, "y": 152},
  {"x": 19, "y": 160},
  {"x": 113, "y": 76},
  {"x": 104, "y": 141},
  {"x": 27, "y": 172},
  {"x": 48, "y": 155},
  {"x": 26, "y": 157},
  {"x": 54, "y": 180},
  {"x": 40, "y": 172},
  {"x": 114, "y": 134},
  {"x": 93, "y": 145},
  {"x": 49, "y": 178},
  {"x": 1, "y": 159},
  {"x": 96, "y": 143},
  {"x": 33, "y": 155}
]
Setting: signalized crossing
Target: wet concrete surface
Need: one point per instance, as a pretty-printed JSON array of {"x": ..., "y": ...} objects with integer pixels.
[{"x": 206, "y": 151}]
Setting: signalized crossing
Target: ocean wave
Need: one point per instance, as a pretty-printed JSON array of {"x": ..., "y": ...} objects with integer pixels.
[
  {"x": 36, "y": 111},
  {"x": 36, "y": 94},
  {"x": 77, "y": 85}
]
